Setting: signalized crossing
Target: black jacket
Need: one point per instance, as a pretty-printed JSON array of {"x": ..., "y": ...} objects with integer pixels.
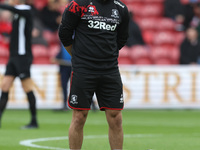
[
  {"x": 101, "y": 30},
  {"x": 189, "y": 53},
  {"x": 20, "y": 42}
]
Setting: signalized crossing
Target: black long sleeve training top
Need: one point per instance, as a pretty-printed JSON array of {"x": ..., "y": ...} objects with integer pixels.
[
  {"x": 101, "y": 30},
  {"x": 20, "y": 42}
]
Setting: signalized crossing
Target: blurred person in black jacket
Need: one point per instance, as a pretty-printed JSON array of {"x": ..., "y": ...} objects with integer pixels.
[
  {"x": 38, "y": 27},
  {"x": 174, "y": 9},
  {"x": 50, "y": 16},
  {"x": 135, "y": 35},
  {"x": 21, "y": 57},
  {"x": 190, "y": 47}
]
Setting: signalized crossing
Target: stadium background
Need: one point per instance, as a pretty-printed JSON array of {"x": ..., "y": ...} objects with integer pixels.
[
  {"x": 152, "y": 79},
  {"x": 151, "y": 73}
]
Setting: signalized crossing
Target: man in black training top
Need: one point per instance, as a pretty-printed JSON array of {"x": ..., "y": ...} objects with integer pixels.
[
  {"x": 20, "y": 57},
  {"x": 101, "y": 30}
]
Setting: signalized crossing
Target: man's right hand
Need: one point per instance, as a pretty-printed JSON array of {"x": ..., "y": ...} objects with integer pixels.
[{"x": 69, "y": 49}]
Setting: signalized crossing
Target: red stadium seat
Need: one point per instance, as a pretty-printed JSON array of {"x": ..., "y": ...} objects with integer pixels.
[
  {"x": 127, "y": 2},
  {"x": 4, "y": 54},
  {"x": 54, "y": 50},
  {"x": 148, "y": 36},
  {"x": 164, "y": 38},
  {"x": 41, "y": 61},
  {"x": 51, "y": 37},
  {"x": 165, "y": 55},
  {"x": 161, "y": 55},
  {"x": 125, "y": 61},
  {"x": 154, "y": 1},
  {"x": 125, "y": 51},
  {"x": 135, "y": 8},
  {"x": 124, "y": 56},
  {"x": 147, "y": 23},
  {"x": 140, "y": 55},
  {"x": 39, "y": 50},
  {"x": 131, "y": 1},
  {"x": 180, "y": 36},
  {"x": 41, "y": 54},
  {"x": 166, "y": 24},
  {"x": 175, "y": 54},
  {"x": 6, "y": 27},
  {"x": 4, "y": 51},
  {"x": 145, "y": 9},
  {"x": 151, "y": 10},
  {"x": 3, "y": 60}
]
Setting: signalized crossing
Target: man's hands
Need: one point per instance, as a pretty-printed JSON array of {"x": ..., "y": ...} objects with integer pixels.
[{"x": 69, "y": 49}]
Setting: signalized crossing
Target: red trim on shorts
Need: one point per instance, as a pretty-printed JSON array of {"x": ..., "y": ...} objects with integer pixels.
[
  {"x": 102, "y": 108},
  {"x": 77, "y": 108}
]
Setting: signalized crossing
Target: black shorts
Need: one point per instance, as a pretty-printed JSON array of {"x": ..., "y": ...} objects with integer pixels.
[
  {"x": 108, "y": 89},
  {"x": 19, "y": 66}
]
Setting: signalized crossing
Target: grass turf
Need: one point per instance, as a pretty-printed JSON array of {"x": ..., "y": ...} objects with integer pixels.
[{"x": 143, "y": 129}]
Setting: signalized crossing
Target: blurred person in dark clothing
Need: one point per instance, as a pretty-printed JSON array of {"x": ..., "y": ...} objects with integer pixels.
[
  {"x": 174, "y": 9},
  {"x": 63, "y": 58},
  {"x": 38, "y": 27},
  {"x": 188, "y": 14},
  {"x": 135, "y": 35},
  {"x": 51, "y": 16},
  {"x": 190, "y": 47},
  {"x": 34, "y": 10},
  {"x": 195, "y": 22},
  {"x": 37, "y": 33},
  {"x": 21, "y": 57}
]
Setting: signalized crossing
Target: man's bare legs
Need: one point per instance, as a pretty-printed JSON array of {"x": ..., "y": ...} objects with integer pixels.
[
  {"x": 114, "y": 119},
  {"x": 5, "y": 87},
  {"x": 27, "y": 85},
  {"x": 76, "y": 129},
  {"x": 7, "y": 83}
]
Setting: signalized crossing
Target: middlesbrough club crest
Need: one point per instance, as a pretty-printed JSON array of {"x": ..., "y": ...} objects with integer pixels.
[
  {"x": 115, "y": 13},
  {"x": 74, "y": 99}
]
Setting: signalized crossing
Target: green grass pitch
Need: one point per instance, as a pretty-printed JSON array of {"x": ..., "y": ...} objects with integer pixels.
[{"x": 143, "y": 129}]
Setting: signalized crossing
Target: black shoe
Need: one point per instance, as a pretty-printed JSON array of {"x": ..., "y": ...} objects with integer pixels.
[{"x": 30, "y": 126}]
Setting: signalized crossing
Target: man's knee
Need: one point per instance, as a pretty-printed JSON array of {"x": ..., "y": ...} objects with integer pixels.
[
  {"x": 5, "y": 87},
  {"x": 115, "y": 119},
  {"x": 7, "y": 83},
  {"x": 79, "y": 118},
  {"x": 27, "y": 85}
]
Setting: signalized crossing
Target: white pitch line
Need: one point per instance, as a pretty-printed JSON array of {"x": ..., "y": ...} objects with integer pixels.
[{"x": 30, "y": 142}]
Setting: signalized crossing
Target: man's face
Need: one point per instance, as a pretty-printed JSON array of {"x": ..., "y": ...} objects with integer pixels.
[{"x": 192, "y": 34}]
